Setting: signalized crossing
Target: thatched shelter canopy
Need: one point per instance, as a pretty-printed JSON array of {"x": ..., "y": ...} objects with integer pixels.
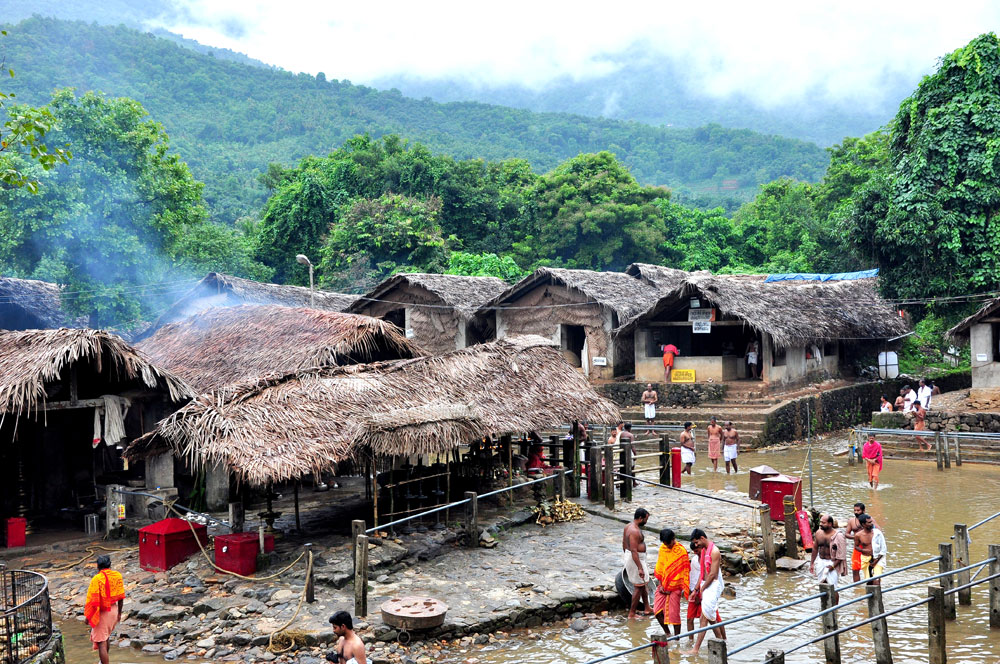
[
  {"x": 463, "y": 294},
  {"x": 30, "y": 359},
  {"x": 664, "y": 279},
  {"x": 223, "y": 290},
  {"x": 792, "y": 312},
  {"x": 285, "y": 427},
  {"x": 28, "y": 304},
  {"x": 961, "y": 331},
  {"x": 242, "y": 344}
]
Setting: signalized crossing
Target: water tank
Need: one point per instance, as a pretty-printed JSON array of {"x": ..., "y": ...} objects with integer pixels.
[{"x": 888, "y": 364}]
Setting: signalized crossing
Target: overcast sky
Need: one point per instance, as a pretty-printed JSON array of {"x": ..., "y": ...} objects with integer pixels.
[{"x": 772, "y": 51}]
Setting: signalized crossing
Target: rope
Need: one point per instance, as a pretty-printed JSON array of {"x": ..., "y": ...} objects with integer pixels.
[
  {"x": 302, "y": 598},
  {"x": 91, "y": 550}
]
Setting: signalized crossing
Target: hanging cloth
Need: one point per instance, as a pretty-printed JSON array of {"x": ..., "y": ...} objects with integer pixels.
[
  {"x": 97, "y": 428},
  {"x": 115, "y": 409}
]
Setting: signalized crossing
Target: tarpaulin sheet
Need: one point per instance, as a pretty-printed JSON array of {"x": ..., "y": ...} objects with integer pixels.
[{"x": 836, "y": 276}]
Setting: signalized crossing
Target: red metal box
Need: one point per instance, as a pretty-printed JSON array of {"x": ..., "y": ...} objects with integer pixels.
[
  {"x": 758, "y": 473},
  {"x": 774, "y": 489},
  {"x": 237, "y": 552},
  {"x": 268, "y": 543},
  {"x": 14, "y": 530},
  {"x": 169, "y": 542}
]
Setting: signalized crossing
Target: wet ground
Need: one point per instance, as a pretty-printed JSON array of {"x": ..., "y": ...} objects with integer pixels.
[{"x": 917, "y": 506}]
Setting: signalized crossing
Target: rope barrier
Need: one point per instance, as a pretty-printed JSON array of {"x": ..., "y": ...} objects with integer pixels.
[{"x": 693, "y": 493}]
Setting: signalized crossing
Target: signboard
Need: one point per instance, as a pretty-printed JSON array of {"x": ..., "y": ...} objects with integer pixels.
[
  {"x": 682, "y": 376},
  {"x": 701, "y": 315},
  {"x": 980, "y": 357},
  {"x": 701, "y": 326},
  {"x": 409, "y": 333},
  {"x": 600, "y": 361}
]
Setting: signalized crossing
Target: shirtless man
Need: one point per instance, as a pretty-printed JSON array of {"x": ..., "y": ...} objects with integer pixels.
[
  {"x": 709, "y": 588},
  {"x": 731, "y": 446},
  {"x": 871, "y": 543},
  {"x": 649, "y": 399},
  {"x": 853, "y": 526},
  {"x": 350, "y": 648},
  {"x": 634, "y": 556},
  {"x": 714, "y": 433},
  {"x": 831, "y": 550},
  {"x": 687, "y": 448}
]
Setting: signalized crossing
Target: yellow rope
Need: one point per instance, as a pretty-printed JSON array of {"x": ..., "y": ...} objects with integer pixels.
[
  {"x": 302, "y": 597},
  {"x": 91, "y": 550}
]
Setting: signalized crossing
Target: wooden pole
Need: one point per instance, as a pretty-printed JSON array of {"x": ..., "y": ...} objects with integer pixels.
[
  {"x": 237, "y": 517},
  {"x": 994, "y": 553},
  {"x": 567, "y": 462},
  {"x": 770, "y": 560},
  {"x": 661, "y": 653},
  {"x": 310, "y": 588},
  {"x": 561, "y": 484},
  {"x": 628, "y": 468},
  {"x": 357, "y": 530},
  {"x": 776, "y": 656},
  {"x": 937, "y": 450},
  {"x": 361, "y": 578},
  {"x": 935, "y": 626},
  {"x": 507, "y": 442},
  {"x": 717, "y": 652},
  {"x": 594, "y": 473},
  {"x": 831, "y": 646},
  {"x": 665, "y": 459},
  {"x": 375, "y": 490},
  {"x": 946, "y": 564},
  {"x": 944, "y": 447},
  {"x": 958, "y": 451},
  {"x": 791, "y": 528},
  {"x": 852, "y": 442},
  {"x": 962, "y": 560},
  {"x": 574, "y": 461},
  {"x": 880, "y": 629},
  {"x": 472, "y": 517},
  {"x": 298, "y": 521},
  {"x": 609, "y": 477}
]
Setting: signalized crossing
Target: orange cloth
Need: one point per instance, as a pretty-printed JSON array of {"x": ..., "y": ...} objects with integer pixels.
[
  {"x": 106, "y": 588},
  {"x": 673, "y": 569},
  {"x": 102, "y": 631},
  {"x": 668, "y": 359}
]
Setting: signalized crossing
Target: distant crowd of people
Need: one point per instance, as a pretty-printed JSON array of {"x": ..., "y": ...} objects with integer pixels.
[{"x": 916, "y": 402}]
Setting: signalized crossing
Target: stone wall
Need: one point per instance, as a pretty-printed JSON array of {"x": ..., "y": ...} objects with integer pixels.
[
  {"x": 53, "y": 653},
  {"x": 676, "y": 394},
  {"x": 941, "y": 420}
]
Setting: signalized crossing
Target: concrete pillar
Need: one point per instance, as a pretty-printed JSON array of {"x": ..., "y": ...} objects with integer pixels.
[
  {"x": 217, "y": 488},
  {"x": 160, "y": 471}
]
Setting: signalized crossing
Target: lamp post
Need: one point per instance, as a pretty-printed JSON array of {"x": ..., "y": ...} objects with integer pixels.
[{"x": 302, "y": 259}]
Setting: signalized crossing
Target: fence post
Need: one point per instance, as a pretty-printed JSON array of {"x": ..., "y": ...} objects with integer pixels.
[
  {"x": 357, "y": 529},
  {"x": 593, "y": 473},
  {"x": 361, "y": 577},
  {"x": 628, "y": 468},
  {"x": 850, "y": 448},
  {"x": 958, "y": 451},
  {"x": 561, "y": 483},
  {"x": 935, "y": 626},
  {"x": 791, "y": 527},
  {"x": 472, "y": 518},
  {"x": 661, "y": 653},
  {"x": 609, "y": 477},
  {"x": 768, "y": 537},
  {"x": 994, "y": 553},
  {"x": 664, "y": 460},
  {"x": 237, "y": 517},
  {"x": 776, "y": 656},
  {"x": 937, "y": 450},
  {"x": 717, "y": 652},
  {"x": 944, "y": 448},
  {"x": 880, "y": 629},
  {"x": 571, "y": 454},
  {"x": 946, "y": 564},
  {"x": 310, "y": 588},
  {"x": 831, "y": 646},
  {"x": 962, "y": 560}
]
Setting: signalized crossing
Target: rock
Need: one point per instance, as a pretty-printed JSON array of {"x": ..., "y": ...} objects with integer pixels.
[
  {"x": 206, "y": 643},
  {"x": 578, "y": 625},
  {"x": 283, "y": 595},
  {"x": 151, "y": 648},
  {"x": 790, "y": 564},
  {"x": 207, "y": 605}
]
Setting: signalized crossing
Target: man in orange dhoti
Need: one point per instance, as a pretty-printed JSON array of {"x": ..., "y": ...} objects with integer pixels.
[
  {"x": 672, "y": 571},
  {"x": 103, "y": 608}
]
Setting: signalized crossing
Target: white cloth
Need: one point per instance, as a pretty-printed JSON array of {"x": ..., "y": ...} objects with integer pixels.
[
  {"x": 924, "y": 396},
  {"x": 695, "y": 575},
  {"x": 886, "y": 407},
  {"x": 752, "y": 357},
  {"x": 115, "y": 409},
  {"x": 730, "y": 452},
  {"x": 632, "y": 572},
  {"x": 650, "y": 410},
  {"x": 710, "y": 597},
  {"x": 687, "y": 455},
  {"x": 908, "y": 400},
  {"x": 879, "y": 547},
  {"x": 826, "y": 572}
]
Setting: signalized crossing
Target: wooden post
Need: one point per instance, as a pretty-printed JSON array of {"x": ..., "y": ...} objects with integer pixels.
[
  {"x": 717, "y": 652},
  {"x": 994, "y": 553},
  {"x": 776, "y": 656},
  {"x": 935, "y": 626},
  {"x": 944, "y": 447},
  {"x": 664, "y": 460},
  {"x": 298, "y": 521},
  {"x": 880, "y": 629},
  {"x": 831, "y": 646},
  {"x": 851, "y": 445},
  {"x": 561, "y": 483},
  {"x": 357, "y": 530},
  {"x": 768, "y": 536},
  {"x": 962, "y": 560},
  {"x": 628, "y": 468},
  {"x": 310, "y": 584},
  {"x": 506, "y": 441},
  {"x": 574, "y": 461},
  {"x": 661, "y": 654},
  {"x": 609, "y": 477},
  {"x": 791, "y": 528},
  {"x": 472, "y": 517},
  {"x": 937, "y": 450},
  {"x": 237, "y": 517},
  {"x": 574, "y": 471},
  {"x": 946, "y": 564},
  {"x": 958, "y": 451},
  {"x": 361, "y": 577},
  {"x": 594, "y": 473},
  {"x": 375, "y": 490}
]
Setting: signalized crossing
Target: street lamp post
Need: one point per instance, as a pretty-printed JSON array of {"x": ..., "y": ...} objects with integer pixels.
[{"x": 302, "y": 259}]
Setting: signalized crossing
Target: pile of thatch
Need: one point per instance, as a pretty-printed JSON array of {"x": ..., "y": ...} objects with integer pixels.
[
  {"x": 224, "y": 290},
  {"x": 38, "y": 300},
  {"x": 792, "y": 312},
  {"x": 29, "y": 359},
  {"x": 961, "y": 331},
  {"x": 285, "y": 427},
  {"x": 464, "y": 294},
  {"x": 223, "y": 346}
]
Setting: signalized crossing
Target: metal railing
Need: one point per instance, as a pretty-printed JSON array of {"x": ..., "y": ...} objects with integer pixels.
[{"x": 26, "y": 622}]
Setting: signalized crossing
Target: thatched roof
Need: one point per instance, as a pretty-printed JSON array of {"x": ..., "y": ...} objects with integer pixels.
[
  {"x": 31, "y": 358},
  {"x": 617, "y": 291},
  {"x": 229, "y": 291},
  {"x": 662, "y": 278},
  {"x": 961, "y": 331},
  {"x": 462, "y": 293},
  {"x": 38, "y": 300},
  {"x": 222, "y": 346},
  {"x": 285, "y": 427},
  {"x": 792, "y": 312}
]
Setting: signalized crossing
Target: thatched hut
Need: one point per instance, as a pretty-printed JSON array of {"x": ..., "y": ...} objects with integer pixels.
[
  {"x": 981, "y": 331},
  {"x": 28, "y": 304},
  {"x": 63, "y": 392},
  {"x": 223, "y": 290},
  {"x": 578, "y": 310},
  {"x": 438, "y": 311},
  {"x": 802, "y": 327}
]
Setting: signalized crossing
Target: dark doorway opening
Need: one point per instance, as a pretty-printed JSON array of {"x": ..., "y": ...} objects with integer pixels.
[{"x": 571, "y": 340}]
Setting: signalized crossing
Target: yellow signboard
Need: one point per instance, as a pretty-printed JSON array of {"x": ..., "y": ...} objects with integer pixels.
[{"x": 682, "y": 376}]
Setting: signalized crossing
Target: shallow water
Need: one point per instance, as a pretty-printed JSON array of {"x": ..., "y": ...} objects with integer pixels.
[
  {"x": 76, "y": 638},
  {"x": 917, "y": 507}
]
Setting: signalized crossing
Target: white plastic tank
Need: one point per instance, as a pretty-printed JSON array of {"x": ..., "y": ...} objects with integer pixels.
[{"x": 888, "y": 364}]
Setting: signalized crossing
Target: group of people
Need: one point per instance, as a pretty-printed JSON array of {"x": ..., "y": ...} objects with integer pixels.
[
  {"x": 829, "y": 554},
  {"x": 723, "y": 442},
  {"x": 695, "y": 576},
  {"x": 916, "y": 402}
]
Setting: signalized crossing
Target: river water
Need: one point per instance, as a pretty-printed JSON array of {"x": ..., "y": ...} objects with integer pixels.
[{"x": 917, "y": 507}]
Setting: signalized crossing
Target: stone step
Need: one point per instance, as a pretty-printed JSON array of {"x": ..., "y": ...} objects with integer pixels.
[{"x": 702, "y": 414}]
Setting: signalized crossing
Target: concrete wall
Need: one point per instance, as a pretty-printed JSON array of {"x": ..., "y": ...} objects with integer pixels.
[
  {"x": 160, "y": 471},
  {"x": 676, "y": 394},
  {"x": 797, "y": 369},
  {"x": 217, "y": 488},
  {"x": 986, "y": 374},
  {"x": 435, "y": 330}
]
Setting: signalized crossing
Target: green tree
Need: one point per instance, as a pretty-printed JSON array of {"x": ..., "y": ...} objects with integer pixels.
[
  {"x": 698, "y": 239},
  {"x": 485, "y": 265}
]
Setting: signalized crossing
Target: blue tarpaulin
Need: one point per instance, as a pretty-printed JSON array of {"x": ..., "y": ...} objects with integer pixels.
[{"x": 836, "y": 276}]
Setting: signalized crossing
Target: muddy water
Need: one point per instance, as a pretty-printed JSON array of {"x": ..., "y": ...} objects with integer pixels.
[
  {"x": 917, "y": 506},
  {"x": 76, "y": 638}
]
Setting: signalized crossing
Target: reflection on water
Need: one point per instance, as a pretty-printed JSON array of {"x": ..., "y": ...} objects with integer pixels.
[
  {"x": 917, "y": 507},
  {"x": 76, "y": 638}
]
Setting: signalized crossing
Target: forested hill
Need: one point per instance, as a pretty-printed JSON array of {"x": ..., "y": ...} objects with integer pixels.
[{"x": 228, "y": 120}]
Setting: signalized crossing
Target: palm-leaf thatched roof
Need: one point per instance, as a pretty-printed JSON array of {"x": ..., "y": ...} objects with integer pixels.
[
  {"x": 617, "y": 291},
  {"x": 961, "y": 331},
  {"x": 792, "y": 312},
  {"x": 225, "y": 290},
  {"x": 31, "y": 358},
  {"x": 223, "y": 346},
  {"x": 660, "y": 277},
  {"x": 288, "y": 426},
  {"x": 464, "y": 294},
  {"x": 39, "y": 302}
]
